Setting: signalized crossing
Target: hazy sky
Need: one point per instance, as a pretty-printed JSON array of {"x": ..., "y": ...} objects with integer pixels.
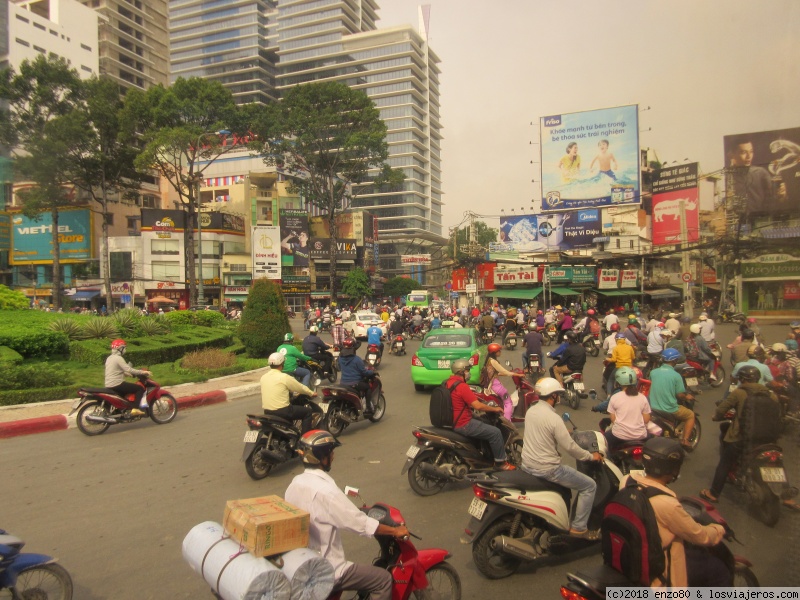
[{"x": 705, "y": 68}]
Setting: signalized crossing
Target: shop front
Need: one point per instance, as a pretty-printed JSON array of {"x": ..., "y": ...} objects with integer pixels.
[
  {"x": 234, "y": 296},
  {"x": 176, "y": 293},
  {"x": 296, "y": 290},
  {"x": 771, "y": 284}
]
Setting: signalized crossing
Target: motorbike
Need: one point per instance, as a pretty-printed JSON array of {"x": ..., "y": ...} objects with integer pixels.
[
  {"x": 511, "y": 340},
  {"x": 272, "y": 440},
  {"x": 416, "y": 573},
  {"x": 320, "y": 371},
  {"x": 524, "y": 396},
  {"x": 440, "y": 455},
  {"x": 516, "y": 517},
  {"x": 730, "y": 316},
  {"x": 573, "y": 384},
  {"x": 28, "y": 575},
  {"x": 100, "y": 408},
  {"x": 703, "y": 375},
  {"x": 592, "y": 583},
  {"x": 373, "y": 358},
  {"x": 486, "y": 336},
  {"x": 672, "y": 428},
  {"x": 398, "y": 345},
  {"x": 550, "y": 334},
  {"x": 343, "y": 405},
  {"x": 534, "y": 367},
  {"x": 592, "y": 343},
  {"x": 414, "y": 332}
]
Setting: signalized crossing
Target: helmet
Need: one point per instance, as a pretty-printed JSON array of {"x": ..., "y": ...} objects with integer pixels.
[
  {"x": 631, "y": 317},
  {"x": 667, "y": 332},
  {"x": 289, "y": 337},
  {"x": 749, "y": 374},
  {"x": 694, "y": 328},
  {"x": 611, "y": 311},
  {"x": 539, "y": 312},
  {"x": 793, "y": 325},
  {"x": 748, "y": 334},
  {"x": 315, "y": 445},
  {"x": 619, "y": 336},
  {"x": 703, "y": 317},
  {"x": 660, "y": 325},
  {"x": 755, "y": 351},
  {"x": 494, "y": 348},
  {"x": 751, "y": 319},
  {"x": 590, "y": 311},
  {"x": 672, "y": 315},
  {"x": 670, "y": 355},
  {"x": 459, "y": 366},
  {"x": 558, "y": 307},
  {"x": 313, "y": 329},
  {"x": 349, "y": 343},
  {"x": 626, "y": 376},
  {"x": 571, "y": 337},
  {"x": 778, "y": 347},
  {"x": 615, "y": 327},
  {"x": 276, "y": 359},
  {"x": 532, "y": 325},
  {"x": 686, "y": 319},
  {"x": 791, "y": 344},
  {"x": 119, "y": 344},
  {"x": 547, "y": 386},
  {"x": 662, "y": 456}
]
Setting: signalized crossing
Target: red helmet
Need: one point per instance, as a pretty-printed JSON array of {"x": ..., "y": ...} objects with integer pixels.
[
  {"x": 117, "y": 344},
  {"x": 615, "y": 327},
  {"x": 590, "y": 311},
  {"x": 494, "y": 348},
  {"x": 349, "y": 343}
]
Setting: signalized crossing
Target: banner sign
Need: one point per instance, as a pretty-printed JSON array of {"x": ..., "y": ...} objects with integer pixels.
[
  {"x": 590, "y": 159},
  {"x": 771, "y": 267},
  {"x": 415, "y": 259},
  {"x": 607, "y": 279},
  {"x": 765, "y": 170},
  {"x": 548, "y": 233},
  {"x": 5, "y": 231},
  {"x": 32, "y": 240},
  {"x": 320, "y": 248},
  {"x": 580, "y": 227},
  {"x": 266, "y": 242},
  {"x": 584, "y": 274},
  {"x": 674, "y": 188},
  {"x": 237, "y": 289},
  {"x": 295, "y": 250},
  {"x": 791, "y": 290},
  {"x": 514, "y": 275},
  {"x": 629, "y": 278}
]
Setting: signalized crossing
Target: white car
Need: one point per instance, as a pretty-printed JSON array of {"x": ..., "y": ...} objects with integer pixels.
[{"x": 361, "y": 321}]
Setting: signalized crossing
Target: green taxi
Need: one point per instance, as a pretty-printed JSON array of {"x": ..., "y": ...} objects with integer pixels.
[{"x": 430, "y": 365}]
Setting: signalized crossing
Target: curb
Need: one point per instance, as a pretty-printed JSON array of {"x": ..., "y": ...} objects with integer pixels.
[{"x": 35, "y": 425}]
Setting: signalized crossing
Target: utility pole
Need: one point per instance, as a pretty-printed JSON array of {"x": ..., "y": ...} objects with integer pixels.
[{"x": 688, "y": 304}]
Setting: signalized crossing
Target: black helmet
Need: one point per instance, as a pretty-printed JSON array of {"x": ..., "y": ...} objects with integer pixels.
[
  {"x": 572, "y": 337},
  {"x": 662, "y": 456},
  {"x": 749, "y": 374},
  {"x": 748, "y": 334},
  {"x": 315, "y": 445}
]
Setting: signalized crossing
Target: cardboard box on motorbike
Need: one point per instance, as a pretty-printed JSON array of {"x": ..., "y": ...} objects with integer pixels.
[{"x": 267, "y": 525}]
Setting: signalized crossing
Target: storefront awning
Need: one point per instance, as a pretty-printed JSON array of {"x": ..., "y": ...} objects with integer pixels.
[
  {"x": 662, "y": 293},
  {"x": 713, "y": 286},
  {"x": 564, "y": 291},
  {"x": 616, "y": 292},
  {"x": 84, "y": 296},
  {"x": 517, "y": 293}
]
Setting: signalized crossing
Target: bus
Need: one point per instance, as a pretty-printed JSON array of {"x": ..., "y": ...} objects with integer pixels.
[{"x": 418, "y": 298}]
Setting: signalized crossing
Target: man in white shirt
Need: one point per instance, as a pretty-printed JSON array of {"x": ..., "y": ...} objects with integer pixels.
[
  {"x": 610, "y": 319},
  {"x": 706, "y": 327},
  {"x": 315, "y": 492},
  {"x": 673, "y": 324}
]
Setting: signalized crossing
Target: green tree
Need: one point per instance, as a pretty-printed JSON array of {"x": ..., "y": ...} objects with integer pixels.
[
  {"x": 40, "y": 98},
  {"x": 101, "y": 157},
  {"x": 12, "y": 299},
  {"x": 356, "y": 285},
  {"x": 182, "y": 133},
  {"x": 332, "y": 138},
  {"x": 264, "y": 319},
  {"x": 484, "y": 235},
  {"x": 399, "y": 286}
]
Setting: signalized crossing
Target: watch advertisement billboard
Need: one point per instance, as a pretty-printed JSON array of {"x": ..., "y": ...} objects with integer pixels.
[
  {"x": 266, "y": 242},
  {"x": 590, "y": 159}
]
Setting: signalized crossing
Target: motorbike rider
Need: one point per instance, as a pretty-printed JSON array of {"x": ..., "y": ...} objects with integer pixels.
[
  {"x": 292, "y": 354},
  {"x": 331, "y": 512},
  {"x": 785, "y": 374},
  {"x": 395, "y": 326},
  {"x": 610, "y": 319},
  {"x": 687, "y": 565},
  {"x": 622, "y": 356},
  {"x": 116, "y": 370},
  {"x": 655, "y": 344},
  {"x": 672, "y": 323},
  {"x": 697, "y": 349},
  {"x": 374, "y": 336},
  {"x": 463, "y": 400},
  {"x": 276, "y": 390},
  {"x": 486, "y": 323},
  {"x": 545, "y": 435},
  {"x": 337, "y": 332},
  {"x": 634, "y": 334},
  {"x": 571, "y": 361},
  {"x": 532, "y": 342},
  {"x": 355, "y": 373},
  {"x": 510, "y": 326},
  {"x": 740, "y": 345},
  {"x": 706, "y": 327},
  {"x": 314, "y": 347},
  {"x": 629, "y": 410},
  {"x": 564, "y": 323},
  {"x": 755, "y": 357},
  {"x": 667, "y": 388},
  {"x": 492, "y": 369}
]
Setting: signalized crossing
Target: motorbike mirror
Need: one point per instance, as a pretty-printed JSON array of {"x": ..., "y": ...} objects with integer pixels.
[
  {"x": 351, "y": 491},
  {"x": 508, "y": 363},
  {"x": 565, "y": 417}
]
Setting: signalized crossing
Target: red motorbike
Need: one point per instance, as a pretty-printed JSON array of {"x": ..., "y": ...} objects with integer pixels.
[
  {"x": 704, "y": 376},
  {"x": 344, "y": 405},
  {"x": 526, "y": 395},
  {"x": 418, "y": 573},
  {"x": 374, "y": 355},
  {"x": 100, "y": 408},
  {"x": 398, "y": 345}
]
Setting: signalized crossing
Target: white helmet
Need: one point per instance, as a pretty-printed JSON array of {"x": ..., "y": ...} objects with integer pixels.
[
  {"x": 276, "y": 359},
  {"x": 694, "y": 328},
  {"x": 313, "y": 329},
  {"x": 778, "y": 347},
  {"x": 703, "y": 317},
  {"x": 547, "y": 386}
]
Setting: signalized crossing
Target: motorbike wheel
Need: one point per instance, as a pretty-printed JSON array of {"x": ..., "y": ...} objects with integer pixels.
[
  {"x": 720, "y": 373},
  {"x": 256, "y": 466},
  {"x": 333, "y": 423},
  {"x": 694, "y": 439},
  {"x": 419, "y": 482},
  {"x": 573, "y": 399},
  {"x": 443, "y": 582},
  {"x": 94, "y": 408},
  {"x": 593, "y": 349},
  {"x": 515, "y": 453},
  {"x": 744, "y": 577},
  {"x": 490, "y": 562},
  {"x": 45, "y": 581},
  {"x": 164, "y": 409},
  {"x": 380, "y": 409},
  {"x": 770, "y": 510},
  {"x": 546, "y": 340},
  {"x": 334, "y": 374}
]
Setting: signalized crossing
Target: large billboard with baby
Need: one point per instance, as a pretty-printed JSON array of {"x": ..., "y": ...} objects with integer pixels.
[{"x": 590, "y": 159}]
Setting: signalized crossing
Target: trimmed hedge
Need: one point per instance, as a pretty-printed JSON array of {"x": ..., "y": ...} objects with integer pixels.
[
  {"x": 33, "y": 343},
  {"x": 194, "y": 318},
  {"x": 12, "y": 357},
  {"x": 12, "y": 397}
]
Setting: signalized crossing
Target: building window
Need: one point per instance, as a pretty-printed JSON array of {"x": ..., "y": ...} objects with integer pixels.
[
  {"x": 23, "y": 19},
  {"x": 23, "y": 43},
  {"x": 85, "y": 47},
  {"x": 121, "y": 264},
  {"x": 238, "y": 267},
  {"x": 133, "y": 225},
  {"x": 109, "y": 218},
  {"x": 617, "y": 241},
  {"x": 165, "y": 247},
  {"x": 85, "y": 68},
  {"x": 166, "y": 271},
  {"x": 40, "y": 49},
  {"x": 39, "y": 26}
]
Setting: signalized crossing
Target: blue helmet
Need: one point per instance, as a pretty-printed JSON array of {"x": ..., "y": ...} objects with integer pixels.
[{"x": 670, "y": 354}]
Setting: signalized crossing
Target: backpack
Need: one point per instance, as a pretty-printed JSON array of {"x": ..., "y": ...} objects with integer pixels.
[
  {"x": 692, "y": 351},
  {"x": 761, "y": 417},
  {"x": 631, "y": 543},
  {"x": 441, "y": 406}
]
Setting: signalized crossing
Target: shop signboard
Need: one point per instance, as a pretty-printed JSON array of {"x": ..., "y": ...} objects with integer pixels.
[
  {"x": 320, "y": 248},
  {"x": 629, "y": 278},
  {"x": 791, "y": 290},
  {"x": 584, "y": 274},
  {"x": 771, "y": 267},
  {"x": 513, "y": 275},
  {"x": 32, "y": 239},
  {"x": 607, "y": 279},
  {"x": 266, "y": 244},
  {"x": 415, "y": 259},
  {"x": 5, "y": 231}
]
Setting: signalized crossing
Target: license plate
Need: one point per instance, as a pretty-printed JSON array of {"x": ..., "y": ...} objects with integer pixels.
[
  {"x": 444, "y": 364},
  {"x": 324, "y": 406},
  {"x": 773, "y": 474},
  {"x": 76, "y": 404},
  {"x": 578, "y": 385},
  {"x": 512, "y": 342},
  {"x": 534, "y": 363},
  {"x": 691, "y": 381},
  {"x": 398, "y": 345},
  {"x": 250, "y": 436},
  {"x": 412, "y": 451},
  {"x": 373, "y": 356},
  {"x": 476, "y": 508},
  {"x": 597, "y": 342}
]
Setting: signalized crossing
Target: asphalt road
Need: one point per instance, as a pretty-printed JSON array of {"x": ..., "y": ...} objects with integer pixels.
[{"x": 115, "y": 508}]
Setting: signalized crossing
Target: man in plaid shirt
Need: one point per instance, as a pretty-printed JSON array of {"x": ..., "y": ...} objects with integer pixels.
[{"x": 337, "y": 333}]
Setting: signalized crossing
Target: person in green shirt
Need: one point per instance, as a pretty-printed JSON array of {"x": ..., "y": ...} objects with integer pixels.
[
  {"x": 666, "y": 389},
  {"x": 291, "y": 354}
]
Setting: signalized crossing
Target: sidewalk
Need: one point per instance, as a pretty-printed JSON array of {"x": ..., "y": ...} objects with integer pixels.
[{"x": 25, "y": 419}]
